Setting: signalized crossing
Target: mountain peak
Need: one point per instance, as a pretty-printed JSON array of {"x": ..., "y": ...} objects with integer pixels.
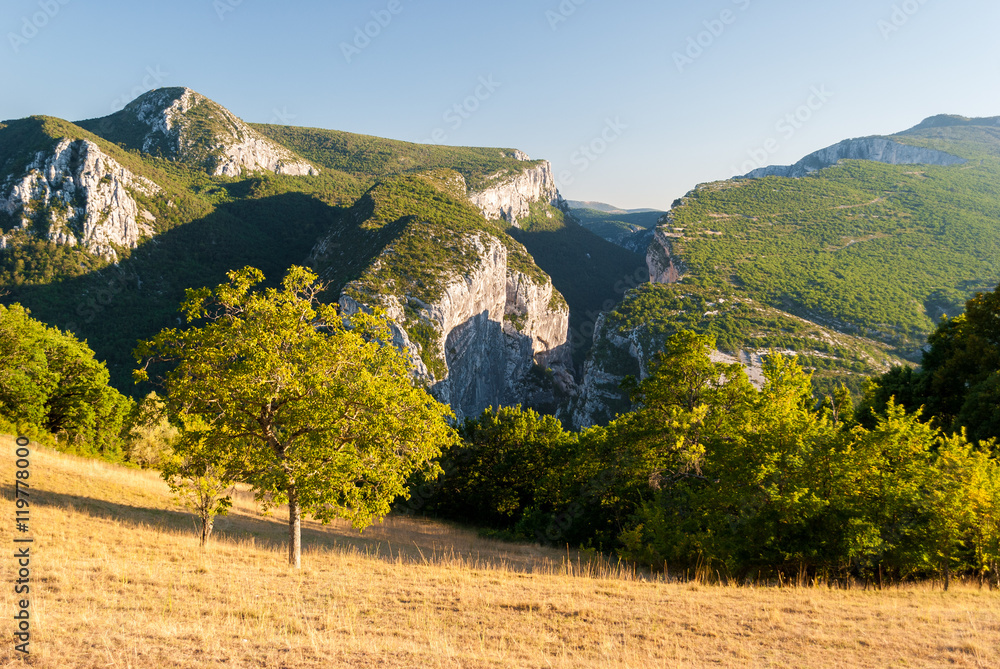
[
  {"x": 954, "y": 120},
  {"x": 181, "y": 124}
]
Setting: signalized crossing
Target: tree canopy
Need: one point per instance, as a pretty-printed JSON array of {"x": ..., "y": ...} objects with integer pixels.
[
  {"x": 958, "y": 384},
  {"x": 50, "y": 380},
  {"x": 305, "y": 408}
]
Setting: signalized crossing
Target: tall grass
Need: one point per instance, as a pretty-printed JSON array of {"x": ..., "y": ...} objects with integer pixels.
[{"x": 119, "y": 581}]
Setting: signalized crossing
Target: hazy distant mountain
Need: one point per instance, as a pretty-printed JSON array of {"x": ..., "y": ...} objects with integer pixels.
[
  {"x": 606, "y": 208},
  {"x": 628, "y": 228}
]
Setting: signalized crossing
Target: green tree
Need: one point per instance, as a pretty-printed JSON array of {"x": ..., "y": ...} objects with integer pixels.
[
  {"x": 686, "y": 401},
  {"x": 50, "y": 379},
  {"x": 25, "y": 379},
  {"x": 191, "y": 474},
  {"x": 300, "y": 406},
  {"x": 150, "y": 438},
  {"x": 887, "y": 474},
  {"x": 950, "y": 508},
  {"x": 508, "y": 461},
  {"x": 959, "y": 381},
  {"x": 984, "y": 496}
]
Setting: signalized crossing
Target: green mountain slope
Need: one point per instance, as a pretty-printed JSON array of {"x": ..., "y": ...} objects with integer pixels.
[
  {"x": 375, "y": 157},
  {"x": 864, "y": 247},
  {"x": 399, "y": 213},
  {"x": 629, "y": 337}
]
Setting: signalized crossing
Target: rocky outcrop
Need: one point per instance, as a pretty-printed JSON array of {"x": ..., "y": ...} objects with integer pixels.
[
  {"x": 77, "y": 195},
  {"x": 495, "y": 330},
  {"x": 664, "y": 265},
  {"x": 877, "y": 149},
  {"x": 613, "y": 357},
  {"x": 619, "y": 354},
  {"x": 510, "y": 198},
  {"x": 181, "y": 124}
]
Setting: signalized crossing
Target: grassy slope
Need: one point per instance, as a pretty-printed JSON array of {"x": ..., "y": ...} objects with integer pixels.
[
  {"x": 377, "y": 157},
  {"x": 878, "y": 249},
  {"x": 118, "y": 580}
]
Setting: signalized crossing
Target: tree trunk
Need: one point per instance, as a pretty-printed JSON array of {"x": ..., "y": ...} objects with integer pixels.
[
  {"x": 294, "y": 529},
  {"x": 206, "y": 529},
  {"x": 947, "y": 574}
]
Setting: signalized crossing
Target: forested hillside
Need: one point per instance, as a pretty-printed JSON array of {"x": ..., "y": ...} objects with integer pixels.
[{"x": 864, "y": 247}]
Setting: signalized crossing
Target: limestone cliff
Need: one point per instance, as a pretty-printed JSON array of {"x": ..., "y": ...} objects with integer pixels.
[
  {"x": 485, "y": 339},
  {"x": 664, "y": 265},
  {"x": 77, "y": 195},
  {"x": 877, "y": 149},
  {"x": 181, "y": 124},
  {"x": 510, "y": 197}
]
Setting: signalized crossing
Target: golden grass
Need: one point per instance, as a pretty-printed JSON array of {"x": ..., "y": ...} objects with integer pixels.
[{"x": 119, "y": 581}]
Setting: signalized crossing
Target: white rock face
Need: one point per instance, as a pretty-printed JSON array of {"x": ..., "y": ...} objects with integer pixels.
[
  {"x": 511, "y": 198},
  {"x": 493, "y": 326},
  {"x": 877, "y": 149},
  {"x": 664, "y": 266},
  {"x": 600, "y": 396},
  {"x": 83, "y": 197},
  {"x": 234, "y": 149}
]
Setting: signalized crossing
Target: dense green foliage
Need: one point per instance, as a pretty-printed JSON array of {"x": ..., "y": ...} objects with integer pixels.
[
  {"x": 273, "y": 389},
  {"x": 879, "y": 249},
  {"x": 495, "y": 472},
  {"x": 958, "y": 384},
  {"x": 50, "y": 380},
  {"x": 652, "y": 313},
  {"x": 709, "y": 477}
]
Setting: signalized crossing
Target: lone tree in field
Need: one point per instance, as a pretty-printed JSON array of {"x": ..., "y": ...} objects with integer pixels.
[{"x": 299, "y": 406}]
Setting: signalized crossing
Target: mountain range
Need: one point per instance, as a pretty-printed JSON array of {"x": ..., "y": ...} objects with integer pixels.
[{"x": 501, "y": 291}]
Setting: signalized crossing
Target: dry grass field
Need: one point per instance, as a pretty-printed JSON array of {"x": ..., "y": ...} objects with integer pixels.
[{"x": 119, "y": 581}]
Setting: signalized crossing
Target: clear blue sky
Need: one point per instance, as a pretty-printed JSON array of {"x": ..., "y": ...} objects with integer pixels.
[{"x": 558, "y": 75}]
